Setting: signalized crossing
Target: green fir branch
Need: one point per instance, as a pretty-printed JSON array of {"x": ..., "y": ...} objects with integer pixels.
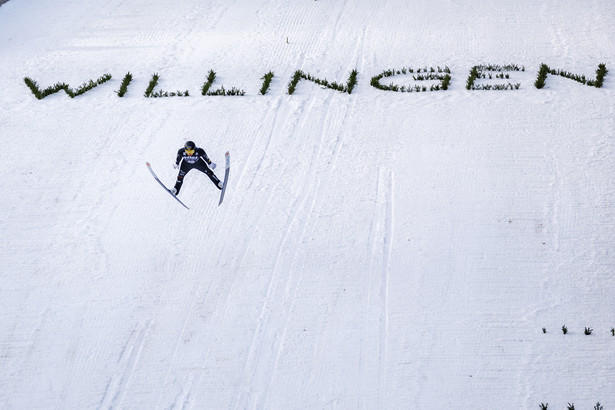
[
  {"x": 600, "y": 74},
  {"x": 352, "y": 81},
  {"x": 472, "y": 78},
  {"x": 124, "y": 86},
  {"x": 292, "y": 86},
  {"x": 211, "y": 77},
  {"x": 33, "y": 86},
  {"x": 542, "y": 76},
  {"x": 152, "y": 84},
  {"x": 266, "y": 82}
]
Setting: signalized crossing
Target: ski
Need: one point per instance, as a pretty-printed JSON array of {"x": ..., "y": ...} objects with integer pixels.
[
  {"x": 226, "y": 172},
  {"x": 162, "y": 185}
]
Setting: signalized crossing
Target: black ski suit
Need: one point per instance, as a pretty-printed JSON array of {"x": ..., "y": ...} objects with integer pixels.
[{"x": 198, "y": 160}]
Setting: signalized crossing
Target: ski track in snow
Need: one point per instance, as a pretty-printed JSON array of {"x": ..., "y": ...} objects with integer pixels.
[
  {"x": 258, "y": 360},
  {"x": 385, "y": 192},
  {"x": 116, "y": 389}
]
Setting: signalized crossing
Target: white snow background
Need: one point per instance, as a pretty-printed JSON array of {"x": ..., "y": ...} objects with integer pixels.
[{"x": 377, "y": 250}]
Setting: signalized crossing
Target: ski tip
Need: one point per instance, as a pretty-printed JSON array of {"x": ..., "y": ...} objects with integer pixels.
[
  {"x": 147, "y": 163},
  {"x": 227, "y": 154}
]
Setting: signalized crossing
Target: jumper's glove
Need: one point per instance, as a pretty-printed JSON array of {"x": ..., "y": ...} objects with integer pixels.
[
  {"x": 175, "y": 166},
  {"x": 212, "y": 165}
]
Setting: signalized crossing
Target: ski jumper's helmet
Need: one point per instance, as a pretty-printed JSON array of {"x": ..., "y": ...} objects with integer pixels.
[{"x": 189, "y": 146}]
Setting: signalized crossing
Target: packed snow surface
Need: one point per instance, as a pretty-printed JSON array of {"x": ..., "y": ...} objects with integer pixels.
[{"x": 375, "y": 250}]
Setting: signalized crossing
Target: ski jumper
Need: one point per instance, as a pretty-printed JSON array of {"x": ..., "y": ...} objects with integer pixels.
[{"x": 198, "y": 160}]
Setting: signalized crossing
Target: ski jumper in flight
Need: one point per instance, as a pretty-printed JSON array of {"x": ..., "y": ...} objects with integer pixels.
[{"x": 189, "y": 157}]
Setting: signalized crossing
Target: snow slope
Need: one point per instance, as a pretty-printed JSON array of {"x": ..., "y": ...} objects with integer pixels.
[{"x": 376, "y": 250}]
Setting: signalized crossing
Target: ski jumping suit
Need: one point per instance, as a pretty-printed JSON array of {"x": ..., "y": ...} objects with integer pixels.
[{"x": 198, "y": 160}]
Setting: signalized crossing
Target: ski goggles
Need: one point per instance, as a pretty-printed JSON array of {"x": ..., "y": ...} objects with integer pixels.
[{"x": 189, "y": 151}]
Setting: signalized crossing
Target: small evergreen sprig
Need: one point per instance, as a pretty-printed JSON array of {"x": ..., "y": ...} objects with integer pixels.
[
  {"x": 588, "y": 331},
  {"x": 124, "y": 87},
  {"x": 161, "y": 93},
  {"x": 149, "y": 92},
  {"x": 441, "y": 74},
  {"x": 266, "y": 82},
  {"x": 496, "y": 67},
  {"x": 223, "y": 91},
  {"x": 427, "y": 77},
  {"x": 211, "y": 77},
  {"x": 299, "y": 74},
  {"x": 597, "y": 406},
  {"x": 508, "y": 86},
  {"x": 484, "y": 71},
  {"x": 72, "y": 93},
  {"x": 544, "y": 406},
  {"x": 564, "y": 329}
]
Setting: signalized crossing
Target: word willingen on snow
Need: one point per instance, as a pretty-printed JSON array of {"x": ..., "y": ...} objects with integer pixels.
[{"x": 439, "y": 79}]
